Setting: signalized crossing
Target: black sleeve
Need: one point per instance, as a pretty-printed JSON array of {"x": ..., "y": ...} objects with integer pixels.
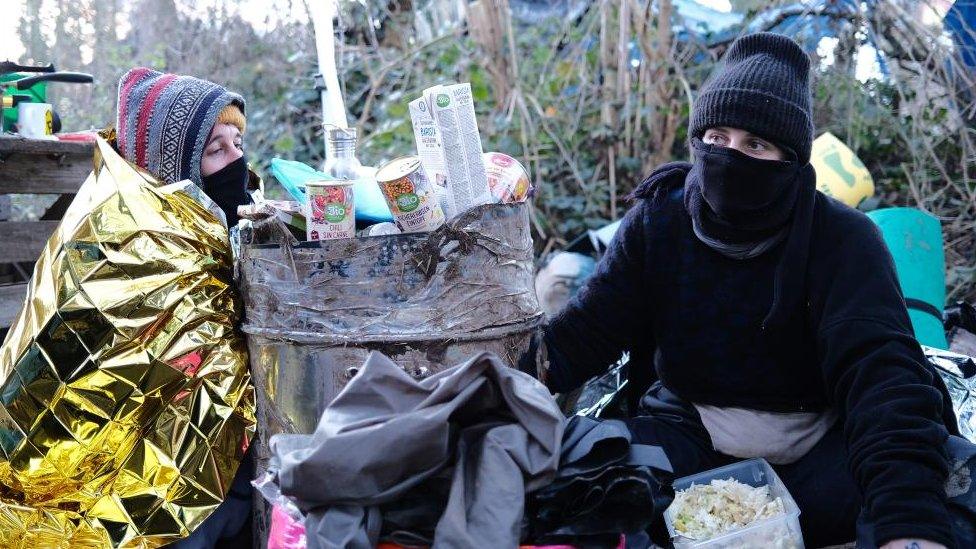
[
  {"x": 875, "y": 372},
  {"x": 607, "y": 316}
]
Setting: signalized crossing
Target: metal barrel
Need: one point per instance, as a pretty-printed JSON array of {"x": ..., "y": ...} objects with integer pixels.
[{"x": 315, "y": 310}]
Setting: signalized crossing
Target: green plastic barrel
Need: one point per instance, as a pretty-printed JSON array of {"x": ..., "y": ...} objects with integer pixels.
[{"x": 915, "y": 240}]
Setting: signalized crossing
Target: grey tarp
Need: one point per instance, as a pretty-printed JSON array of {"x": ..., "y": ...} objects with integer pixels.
[{"x": 499, "y": 429}]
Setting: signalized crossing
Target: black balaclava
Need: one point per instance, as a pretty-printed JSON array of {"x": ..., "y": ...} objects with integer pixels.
[
  {"x": 742, "y": 206},
  {"x": 739, "y": 205},
  {"x": 227, "y": 187}
]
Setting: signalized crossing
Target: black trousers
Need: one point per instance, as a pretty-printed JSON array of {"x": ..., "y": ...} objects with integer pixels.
[{"x": 820, "y": 482}]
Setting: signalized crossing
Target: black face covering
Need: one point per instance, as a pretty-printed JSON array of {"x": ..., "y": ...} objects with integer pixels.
[
  {"x": 739, "y": 187},
  {"x": 742, "y": 206},
  {"x": 228, "y": 188},
  {"x": 739, "y": 205}
]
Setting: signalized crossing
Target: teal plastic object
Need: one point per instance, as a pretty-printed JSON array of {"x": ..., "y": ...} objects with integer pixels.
[
  {"x": 369, "y": 202},
  {"x": 915, "y": 240}
]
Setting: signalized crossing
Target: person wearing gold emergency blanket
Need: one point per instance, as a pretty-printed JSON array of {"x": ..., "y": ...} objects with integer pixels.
[{"x": 125, "y": 404}]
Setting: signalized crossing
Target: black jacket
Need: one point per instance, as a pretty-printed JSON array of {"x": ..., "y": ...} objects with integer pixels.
[{"x": 660, "y": 292}]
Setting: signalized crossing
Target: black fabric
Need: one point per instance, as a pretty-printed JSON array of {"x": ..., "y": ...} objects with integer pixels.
[
  {"x": 227, "y": 187},
  {"x": 737, "y": 201},
  {"x": 601, "y": 504},
  {"x": 605, "y": 486},
  {"x": 763, "y": 87},
  {"x": 961, "y": 315},
  {"x": 961, "y": 490},
  {"x": 737, "y": 198},
  {"x": 411, "y": 519},
  {"x": 959, "y": 321},
  {"x": 789, "y": 283},
  {"x": 846, "y": 343}
]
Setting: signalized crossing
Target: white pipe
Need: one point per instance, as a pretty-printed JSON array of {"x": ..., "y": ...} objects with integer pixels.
[{"x": 333, "y": 107}]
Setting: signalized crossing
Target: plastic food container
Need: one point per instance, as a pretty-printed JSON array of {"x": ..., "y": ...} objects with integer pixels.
[{"x": 780, "y": 532}]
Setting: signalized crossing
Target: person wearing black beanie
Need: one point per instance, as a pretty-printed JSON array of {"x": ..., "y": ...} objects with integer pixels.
[{"x": 766, "y": 320}]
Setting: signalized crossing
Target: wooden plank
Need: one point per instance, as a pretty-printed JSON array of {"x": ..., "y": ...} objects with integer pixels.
[
  {"x": 24, "y": 240},
  {"x": 10, "y": 144},
  {"x": 32, "y": 166},
  {"x": 11, "y": 300}
]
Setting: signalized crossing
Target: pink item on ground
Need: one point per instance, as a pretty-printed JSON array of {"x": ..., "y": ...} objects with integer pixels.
[{"x": 285, "y": 532}]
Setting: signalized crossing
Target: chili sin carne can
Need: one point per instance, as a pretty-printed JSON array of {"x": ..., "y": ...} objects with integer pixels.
[
  {"x": 412, "y": 198},
  {"x": 329, "y": 212}
]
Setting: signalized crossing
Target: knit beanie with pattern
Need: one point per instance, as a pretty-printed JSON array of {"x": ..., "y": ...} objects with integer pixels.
[
  {"x": 764, "y": 88},
  {"x": 164, "y": 121}
]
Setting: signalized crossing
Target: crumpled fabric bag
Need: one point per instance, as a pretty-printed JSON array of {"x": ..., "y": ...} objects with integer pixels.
[
  {"x": 386, "y": 433},
  {"x": 412, "y": 518},
  {"x": 126, "y": 405},
  {"x": 605, "y": 486}
]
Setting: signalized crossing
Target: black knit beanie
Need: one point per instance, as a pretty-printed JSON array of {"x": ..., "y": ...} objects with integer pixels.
[{"x": 764, "y": 88}]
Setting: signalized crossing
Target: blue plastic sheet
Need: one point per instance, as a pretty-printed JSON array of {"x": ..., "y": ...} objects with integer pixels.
[
  {"x": 370, "y": 205},
  {"x": 960, "y": 21}
]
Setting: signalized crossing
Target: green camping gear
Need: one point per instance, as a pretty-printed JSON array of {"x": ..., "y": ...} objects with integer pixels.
[
  {"x": 915, "y": 241},
  {"x": 17, "y": 86}
]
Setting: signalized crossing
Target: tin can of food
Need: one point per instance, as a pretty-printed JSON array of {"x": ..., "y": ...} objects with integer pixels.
[
  {"x": 412, "y": 198},
  {"x": 329, "y": 213},
  {"x": 508, "y": 180}
]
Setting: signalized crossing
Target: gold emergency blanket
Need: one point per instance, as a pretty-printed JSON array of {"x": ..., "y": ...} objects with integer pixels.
[{"x": 126, "y": 403}]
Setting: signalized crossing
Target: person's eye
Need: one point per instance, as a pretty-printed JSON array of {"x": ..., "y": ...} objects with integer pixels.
[
  {"x": 758, "y": 145},
  {"x": 715, "y": 138},
  {"x": 239, "y": 145}
]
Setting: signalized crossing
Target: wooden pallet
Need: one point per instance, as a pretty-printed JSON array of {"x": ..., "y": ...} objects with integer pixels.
[{"x": 31, "y": 166}]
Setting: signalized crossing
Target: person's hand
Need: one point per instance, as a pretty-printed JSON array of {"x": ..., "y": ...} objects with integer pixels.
[{"x": 912, "y": 544}]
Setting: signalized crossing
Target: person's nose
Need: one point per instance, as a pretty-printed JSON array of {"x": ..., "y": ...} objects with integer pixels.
[
  {"x": 235, "y": 154},
  {"x": 739, "y": 145}
]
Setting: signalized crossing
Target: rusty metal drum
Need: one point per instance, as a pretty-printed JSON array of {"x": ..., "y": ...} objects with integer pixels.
[{"x": 315, "y": 310}]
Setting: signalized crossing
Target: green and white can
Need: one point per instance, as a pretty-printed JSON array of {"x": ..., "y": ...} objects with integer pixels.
[{"x": 412, "y": 198}]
